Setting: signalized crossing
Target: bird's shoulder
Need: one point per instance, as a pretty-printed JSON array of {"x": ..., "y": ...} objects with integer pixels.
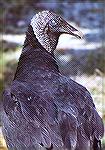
[
  {"x": 78, "y": 102},
  {"x": 74, "y": 92}
]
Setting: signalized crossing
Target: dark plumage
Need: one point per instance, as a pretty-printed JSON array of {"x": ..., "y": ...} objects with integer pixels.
[{"x": 42, "y": 108}]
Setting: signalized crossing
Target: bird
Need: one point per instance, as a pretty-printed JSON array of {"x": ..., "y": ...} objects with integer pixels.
[{"x": 42, "y": 109}]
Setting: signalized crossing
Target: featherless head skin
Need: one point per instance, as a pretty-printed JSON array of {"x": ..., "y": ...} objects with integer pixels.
[{"x": 48, "y": 26}]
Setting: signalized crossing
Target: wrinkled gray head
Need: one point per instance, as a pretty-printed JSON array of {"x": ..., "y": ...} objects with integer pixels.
[{"x": 48, "y": 26}]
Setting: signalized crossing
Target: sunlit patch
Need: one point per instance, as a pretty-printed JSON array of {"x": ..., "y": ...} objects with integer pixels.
[
  {"x": 65, "y": 58},
  {"x": 2, "y": 141}
]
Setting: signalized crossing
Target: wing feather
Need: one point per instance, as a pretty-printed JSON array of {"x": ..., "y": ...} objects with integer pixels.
[{"x": 65, "y": 116}]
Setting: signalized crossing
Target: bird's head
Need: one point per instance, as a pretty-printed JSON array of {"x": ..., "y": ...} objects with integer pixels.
[{"x": 48, "y": 26}]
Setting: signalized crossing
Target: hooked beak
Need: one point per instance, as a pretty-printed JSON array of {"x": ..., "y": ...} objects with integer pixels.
[{"x": 68, "y": 29}]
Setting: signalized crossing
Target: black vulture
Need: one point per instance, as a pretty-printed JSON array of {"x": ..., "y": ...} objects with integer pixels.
[{"x": 42, "y": 108}]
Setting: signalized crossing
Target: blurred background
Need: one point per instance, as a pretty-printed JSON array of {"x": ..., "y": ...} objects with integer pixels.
[{"x": 82, "y": 60}]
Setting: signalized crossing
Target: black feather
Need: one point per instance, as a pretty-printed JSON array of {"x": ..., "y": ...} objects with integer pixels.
[
  {"x": 42, "y": 107},
  {"x": 97, "y": 144}
]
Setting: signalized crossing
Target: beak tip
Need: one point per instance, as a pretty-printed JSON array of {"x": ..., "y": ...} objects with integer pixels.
[{"x": 79, "y": 34}]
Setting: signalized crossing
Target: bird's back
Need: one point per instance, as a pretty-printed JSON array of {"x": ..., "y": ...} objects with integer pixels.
[{"x": 59, "y": 109}]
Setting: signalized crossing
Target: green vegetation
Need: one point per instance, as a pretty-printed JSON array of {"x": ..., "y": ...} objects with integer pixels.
[
  {"x": 95, "y": 61},
  {"x": 8, "y": 65}
]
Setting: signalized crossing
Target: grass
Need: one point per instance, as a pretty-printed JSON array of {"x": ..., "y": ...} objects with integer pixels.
[
  {"x": 100, "y": 92},
  {"x": 8, "y": 63}
]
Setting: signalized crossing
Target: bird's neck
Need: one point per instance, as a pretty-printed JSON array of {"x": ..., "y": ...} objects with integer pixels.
[
  {"x": 34, "y": 58},
  {"x": 47, "y": 40}
]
